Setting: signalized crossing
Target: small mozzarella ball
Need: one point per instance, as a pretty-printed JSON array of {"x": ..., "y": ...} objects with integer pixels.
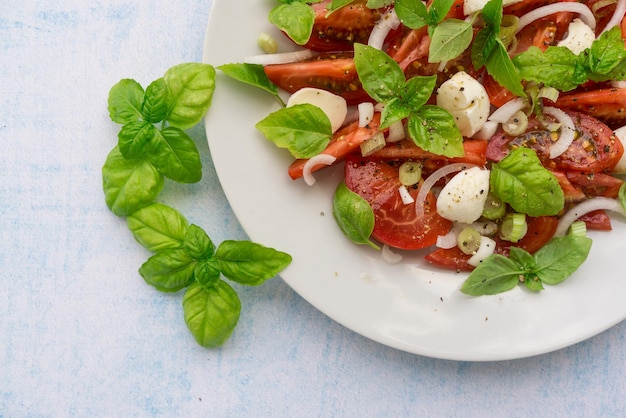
[
  {"x": 473, "y": 6},
  {"x": 620, "y": 167},
  {"x": 466, "y": 100},
  {"x": 463, "y": 198},
  {"x": 334, "y": 106},
  {"x": 579, "y": 37}
]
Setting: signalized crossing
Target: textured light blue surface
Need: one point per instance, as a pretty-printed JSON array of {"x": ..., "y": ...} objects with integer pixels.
[{"x": 81, "y": 334}]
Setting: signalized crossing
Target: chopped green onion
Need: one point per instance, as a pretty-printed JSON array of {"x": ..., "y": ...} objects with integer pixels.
[
  {"x": 508, "y": 28},
  {"x": 468, "y": 240},
  {"x": 494, "y": 208},
  {"x": 549, "y": 93},
  {"x": 410, "y": 173},
  {"x": 372, "y": 145},
  {"x": 267, "y": 43},
  {"x": 513, "y": 227},
  {"x": 578, "y": 229}
]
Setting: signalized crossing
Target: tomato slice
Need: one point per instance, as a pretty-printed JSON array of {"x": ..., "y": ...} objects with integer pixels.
[
  {"x": 596, "y": 184},
  {"x": 475, "y": 153},
  {"x": 605, "y": 104},
  {"x": 594, "y": 150},
  {"x": 450, "y": 258},
  {"x": 333, "y": 72},
  {"x": 396, "y": 224},
  {"x": 342, "y": 28},
  {"x": 597, "y": 220}
]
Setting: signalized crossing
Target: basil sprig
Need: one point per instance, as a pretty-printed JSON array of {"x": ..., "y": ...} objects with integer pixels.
[
  {"x": 354, "y": 215},
  {"x": 185, "y": 257},
  {"x": 551, "y": 264},
  {"x": 430, "y": 127},
  {"x": 133, "y": 177}
]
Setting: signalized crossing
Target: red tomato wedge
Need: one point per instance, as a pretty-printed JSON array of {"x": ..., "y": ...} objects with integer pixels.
[
  {"x": 396, "y": 224},
  {"x": 475, "y": 153},
  {"x": 594, "y": 150},
  {"x": 607, "y": 105},
  {"x": 342, "y": 28},
  {"x": 333, "y": 72}
]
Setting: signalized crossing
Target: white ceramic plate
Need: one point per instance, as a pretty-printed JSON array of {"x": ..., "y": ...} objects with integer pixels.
[{"x": 410, "y": 306}]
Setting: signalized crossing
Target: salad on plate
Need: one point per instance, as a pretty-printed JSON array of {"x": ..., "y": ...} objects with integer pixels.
[{"x": 487, "y": 134}]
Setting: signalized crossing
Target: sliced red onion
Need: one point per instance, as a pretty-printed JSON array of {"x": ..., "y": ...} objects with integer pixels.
[
  {"x": 486, "y": 248},
  {"x": 319, "y": 159},
  {"x": 432, "y": 180},
  {"x": 596, "y": 203},
  {"x": 389, "y": 256},
  {"x": 406, "y": 197},
  {"x": 586, "y": 15},
  {"x": 280, "y": 58},
  {"x": 387, "y": 22},
  {"x": 618, "y": 15},
  {"x": 504, "y": 112},
  {"x": 568, "y": 131}
]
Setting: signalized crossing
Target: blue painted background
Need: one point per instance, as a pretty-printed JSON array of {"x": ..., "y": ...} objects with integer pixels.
[{"x": 81, "y": 334}]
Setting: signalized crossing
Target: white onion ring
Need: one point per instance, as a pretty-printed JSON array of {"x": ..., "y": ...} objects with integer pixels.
[
  {"x": 280, "y": 58},
  {"x": 486, "y": 248},
  {"x": 504, "y": 112},
  {"x": 568, "y": 131},
  {"x": 389, "y": 256},
  {"x": 586, "y": 15},
  {"x": 434, "y": 178},
  {"x": 618, "y": 15},
  {"x": 366, "y": 113},
  {"x": 387, "y": 22},
  {"x": 596, "y": 203},
  {"x": 319, "y": 159}
]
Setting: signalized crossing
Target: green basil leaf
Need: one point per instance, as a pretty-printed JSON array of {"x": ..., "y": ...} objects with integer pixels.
[
  {"x": 523, "y": 258},
  {"x": 336, "y": 5},
  {"x": 533, "y": 282},
  {"x": 295, "y": 19},
  {"x": 248, "y": 263},
  {"x": 492, "y": 15},
  {"x": 395, "y": 110},
  {"x": 252, "y": 74},
  {"x": 157, "y": 102},
  {"x": 354, "y": 215},
  {"x": 379, "y": 74},
  {"x": 175, "y": 155},
  {"x": 157, "y": 227},
  {"x": 496, "y": 274},
  {"x": 557, "y": 67},
  {"x": 191, "y": 87},
  {"x": 207, "y": 273},
  {"x": 125, "y": 101},
  {"x": 520, "y": 180},
  {"x": 412, "y": 14},
  {"x": 433, "y": 129},
  {"x": 378, "y": 4},
  {"x": 438, "y": 10},
  {"x": 133, "y": 138},
  {"x": 197, "y": 243},
  {"x": 450, "y": 38},
  {"x": 484, "y": 43},
  {"x": 560, "y": 257},
  {"x": 303, "y": 129},
  {"x": 169, "y": 270},
  {"x": 501, "y": 68},
  {"x": 607, "y": 52},
  {"x": 211, "y": 315},
  {"x": 129, "y": 185},
  {"x": 418, "y": 90}
]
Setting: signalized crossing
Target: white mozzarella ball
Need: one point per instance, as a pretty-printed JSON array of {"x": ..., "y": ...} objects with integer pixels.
[
  {"x": 579, "y": 37},
  {"x": 463, "y": 198},
  {"x": 467, "y": 100},
  {"x": 334, "y": 106},
  {"x": 620, "y": 167}
]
